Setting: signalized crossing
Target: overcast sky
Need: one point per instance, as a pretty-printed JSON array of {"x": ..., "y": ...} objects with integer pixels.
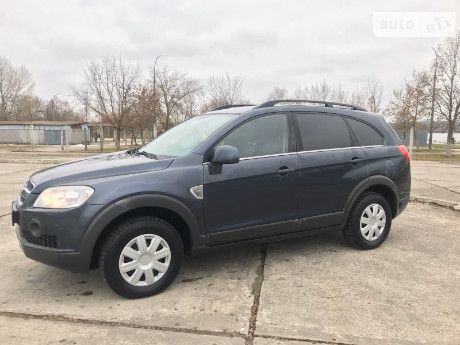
[{"x": 269, "y": 43}]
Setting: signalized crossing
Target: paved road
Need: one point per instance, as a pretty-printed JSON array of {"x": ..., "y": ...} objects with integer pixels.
[
  {"x": 436, "y": 180},
  {"x": 312, "y": 289}
]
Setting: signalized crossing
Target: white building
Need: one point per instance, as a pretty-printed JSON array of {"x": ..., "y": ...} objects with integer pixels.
[{"x": 441, "y": 138}]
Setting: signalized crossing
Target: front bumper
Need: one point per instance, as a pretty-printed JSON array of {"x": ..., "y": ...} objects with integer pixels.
[
  {"x": 68, "y": 260},
  {"x": 54, "y": 237}
]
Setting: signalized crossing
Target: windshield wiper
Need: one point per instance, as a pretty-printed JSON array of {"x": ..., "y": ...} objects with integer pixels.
[
  {"x": 134, "y": 150},
  {"x": 146, "y": 154}
]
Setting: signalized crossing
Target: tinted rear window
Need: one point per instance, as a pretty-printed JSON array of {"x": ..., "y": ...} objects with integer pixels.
[
  {"x": 321, "y": 132},
  {"x": 366, "y": 135}
]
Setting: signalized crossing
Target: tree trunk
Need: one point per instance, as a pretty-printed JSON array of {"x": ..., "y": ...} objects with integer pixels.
[
  {"x": 116, "y": 134},
  {"x": 133, "y": 137},
  {"x": 142, "y": 137},
  {"x": 450, "y": 134}
]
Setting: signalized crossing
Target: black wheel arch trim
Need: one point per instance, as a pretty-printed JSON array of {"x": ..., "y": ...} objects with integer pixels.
[
  {"x": 112, "y": 211},
  {"x": 377, "y": 180}
]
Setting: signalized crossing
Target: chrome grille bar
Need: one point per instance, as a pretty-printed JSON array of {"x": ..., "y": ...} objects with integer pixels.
[{"x": 25, "y": 192}]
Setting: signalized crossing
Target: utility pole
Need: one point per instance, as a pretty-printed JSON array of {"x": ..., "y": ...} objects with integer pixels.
[
  {"x": 411, "y": 142},
  {"x": 67, "y": 137},
  {"x": 86, "y": 120},
  {"x": 430, "y": 145},
  {"x": 86, "y": 137},
  {"x": 101, "y": 134},
  {"x": 32, "y": 136},
  {"x": 155, "y": 92}
]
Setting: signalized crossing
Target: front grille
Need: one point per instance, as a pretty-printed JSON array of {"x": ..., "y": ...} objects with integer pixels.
[
  {"x": 25, "y": 192},
  {"x": 43, "y": 240}
]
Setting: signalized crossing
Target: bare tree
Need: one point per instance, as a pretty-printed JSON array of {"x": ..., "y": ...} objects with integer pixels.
[
  {"x": 32, "y": 108},
  {"x": 400, "y": 110},
  {"x": 224, "y": 90},
  {"x": 108, "y": 90},
  {"x": 448, "y": 86},
  {"x": 173, "y": 89},
  {"x": 411, "y": 104},
  {"x": 59, "y": 110},
  {"x": 145, "y": 111},
  {"x": 358, "y": 98},
  {"x": 419, "y": 90},
  {"x": 374, "y": 95},
  {"x": 277, "y": 93},
  {"x": 190, "y": 106},
  {"x": 322, "y": 92},
  {"x": 15, "y": 82}
]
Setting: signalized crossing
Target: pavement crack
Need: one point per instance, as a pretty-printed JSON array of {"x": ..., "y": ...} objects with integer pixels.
[
  {"x": 256, "y": 290},
  {"x": 301, "y": 340},
  {"x": 4, "y": 215},
  {"x": 434, "y": 184},
  {"x": 74, "y": 320}
]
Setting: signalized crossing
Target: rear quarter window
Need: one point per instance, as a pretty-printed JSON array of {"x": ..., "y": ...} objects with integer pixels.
[
  {"x": 365, "y": 134},
  {"x": 322, "y": 132}
]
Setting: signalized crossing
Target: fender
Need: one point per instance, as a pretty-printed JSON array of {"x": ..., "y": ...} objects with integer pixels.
[
  {"x": 122, "y": 206},
  {"x": 377, "y": 180}
]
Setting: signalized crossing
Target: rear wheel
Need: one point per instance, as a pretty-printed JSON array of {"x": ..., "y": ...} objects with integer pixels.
[
  {"x": 141, "y": 257},
  {"x": 369, "y": 222}
]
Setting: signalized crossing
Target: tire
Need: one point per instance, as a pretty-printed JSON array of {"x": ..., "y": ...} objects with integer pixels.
[
  {"x": 141, "y": 257},
  {"x": 363, "y": 229}
]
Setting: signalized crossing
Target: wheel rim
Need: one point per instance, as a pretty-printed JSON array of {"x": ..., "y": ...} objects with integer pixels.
[
  {"x": 373, "y": 221},
  {"x": 144, "y": 260}
]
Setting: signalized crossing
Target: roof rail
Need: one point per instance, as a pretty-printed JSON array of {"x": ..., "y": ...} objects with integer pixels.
[
  {"x": 228, "y": 106},
  {"x": 326, "y": 104}
]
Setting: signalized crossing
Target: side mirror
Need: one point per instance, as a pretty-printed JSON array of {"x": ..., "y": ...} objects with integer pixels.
[{"x": 225, "y": 154}]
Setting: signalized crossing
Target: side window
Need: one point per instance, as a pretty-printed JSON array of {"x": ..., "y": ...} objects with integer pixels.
[
  {"x": 366, "y": 135},
  {"x": 262, "y": 136},
  {"x": 321, "y": 132}
]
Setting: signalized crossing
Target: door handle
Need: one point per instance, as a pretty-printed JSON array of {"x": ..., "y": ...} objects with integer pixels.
[
  {"x": 284, "y": 170},
  {"x": 356, "y": 160}
]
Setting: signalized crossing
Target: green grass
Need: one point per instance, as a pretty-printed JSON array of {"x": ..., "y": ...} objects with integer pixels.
[
  {"x": 437, "y": 153},
  {"x": 418, "y": 156}
]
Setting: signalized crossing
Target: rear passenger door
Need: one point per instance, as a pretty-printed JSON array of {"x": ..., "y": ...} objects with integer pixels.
[
  {"x": 371, "y": 141},
  {"x": 331, "y": 164}
]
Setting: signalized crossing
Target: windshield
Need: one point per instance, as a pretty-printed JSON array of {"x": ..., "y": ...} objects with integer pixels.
[{"x": 182, "y": 139}]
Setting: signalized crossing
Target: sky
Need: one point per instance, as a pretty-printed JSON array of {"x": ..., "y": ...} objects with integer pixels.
[{"x": 268, "y": 43}]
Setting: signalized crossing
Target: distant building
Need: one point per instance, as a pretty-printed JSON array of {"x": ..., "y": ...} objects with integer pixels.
[
  {"x": 441, "y": 138},
  {"x": 420, "y": 136},
  {"x": 44, "y": 132}
]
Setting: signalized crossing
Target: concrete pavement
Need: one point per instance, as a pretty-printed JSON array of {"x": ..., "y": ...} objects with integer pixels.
[
  {"x": 436, "y": 181},
  {"x": 292, "y": 292},
  {"x": 404, "y": 292},
  {"x": 7, "y": 157}
]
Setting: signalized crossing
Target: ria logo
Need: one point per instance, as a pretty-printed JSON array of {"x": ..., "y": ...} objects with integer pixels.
[{"x": 414, "y": 24}]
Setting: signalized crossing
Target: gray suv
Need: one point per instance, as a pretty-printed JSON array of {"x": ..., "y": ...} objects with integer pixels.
[{"x": 237, "y": 174}]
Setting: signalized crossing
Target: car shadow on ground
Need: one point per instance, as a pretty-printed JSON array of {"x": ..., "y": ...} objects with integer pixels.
[{"x": 237, "y": 262}]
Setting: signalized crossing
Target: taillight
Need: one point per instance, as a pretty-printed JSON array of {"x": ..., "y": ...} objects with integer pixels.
[{"x": 403, "y": 150}]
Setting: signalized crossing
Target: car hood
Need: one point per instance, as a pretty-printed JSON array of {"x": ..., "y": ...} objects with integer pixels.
[{"x": 115, "y": 164}]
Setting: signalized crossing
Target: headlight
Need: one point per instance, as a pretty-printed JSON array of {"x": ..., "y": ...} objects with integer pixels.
[{"x": 63, "y": 197}]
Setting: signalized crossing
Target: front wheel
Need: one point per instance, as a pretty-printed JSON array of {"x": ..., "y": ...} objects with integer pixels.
[
  {"x": 141, "y": 257},
  {"x": 369, "y": 222}
]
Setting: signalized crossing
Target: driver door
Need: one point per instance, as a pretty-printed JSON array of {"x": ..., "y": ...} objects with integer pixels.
[{"x": 258, "y": 196}]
